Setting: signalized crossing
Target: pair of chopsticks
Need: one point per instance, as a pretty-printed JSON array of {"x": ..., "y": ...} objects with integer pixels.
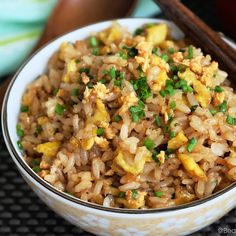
[{"x": 201, "y": 34}]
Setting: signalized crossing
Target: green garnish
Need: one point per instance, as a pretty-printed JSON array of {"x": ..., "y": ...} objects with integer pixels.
[
  {"x": 24, "y": 108},
  {"x": 166, "y": 128},
  {"x": 141, "y": 87},
  {"x": 117, "y": 118},
  {"x": 74, "y": 92},
  {"x": 169, "y": 151},
  {"x": 169, "y": 90},
  {"x": 123, "y": 55},
  {"x": 138, "y": 31},
  {"x": 90, "y": 85},
  {"x": 85, "y": 70},
  {"x": 172, "y": 134},
  {"x": 134, "y": 194},
  {"x": 155, "y": 51},
  {"x": 95, "y": 51},
  {"x": 100, "y": 131},
  {"x": 158, "y": 194},
  {"x": 171, "y": 50},
  {"x": 165, "y": 57},
  {"x": 38, "y": 129},
  {"x": 173, "y": 105},
  {"x": 180, "y": 83},
  {"x": 149, "y": 144},
  {"x": 154, "y": 156},
  {"x": 121, "y": 194},
  {"x": 60, "y": 109},
  {"x": 54, "y": 91},
  {"x": 19, "y": 131},
  {"x": 190, "y": 52},
  {"x": 193, "y": 108},
  {"x": 93, "y": 41},
  {"x": 213, "y": 111},
  {"x": 120, "y": 77},
  {"x": 36, "y": 169},
  {"x": 157, "y": 120},
  {"x": 175, "y": 77},
  {"x": 191, "y": 144},
  {"x": 137, "y": 113},
  {"x": 19, "y": 144},
  {"x": 218, "y": 89},
  {"x": 222, "y": 107},
  {"x": 131, "y": 52},
  {"x": 187, "y": 89},
  {"x": 112, "y": 72},
  {"x": 231, "y": 120},
  {"x": 163, "y": 93},
  {"x": 141, "y": 104},
  {"x": 102, "y": 81},
  {"x": 35, "y": 162}
]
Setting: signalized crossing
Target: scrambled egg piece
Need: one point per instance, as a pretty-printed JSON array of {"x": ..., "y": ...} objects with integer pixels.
[
  {"x": 87, "y": 143},
  {"x": 157, "y": 34},
  {"x": 111, "y": 34},
  {"x": 183, "y": 196},
  {"x": 179, "y": 140},
  {"x": 101, "y": 90},
  {"x": 203, "y": 93},
  {"x": 160, "y": 82},
  {"x": 102, "y": 142},
  {"x": 67, "y": 51},
  {"x": 48, "y": 149},
  {"x": 74, "y": 142},
  {"x": 208, "y": 73},
  {"x": 70, "y": 67},
  {"x": 158, "y": 61},
  {"x": 101, "y": 116},
  {"x": 192, "y": 167},
  {"x": 218, "y": 98},
  {"x": 42, "y": 120},
  {"x": 136, "y": 168},
  {"x": 161, "y": 157},
  {"x": 128, "y": 101},
  {"x": 132, "y": 203}
]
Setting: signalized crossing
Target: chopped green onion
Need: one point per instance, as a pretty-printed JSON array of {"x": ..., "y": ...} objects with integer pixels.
[
  {"x": 117, "y": 118},
  {"x": 231, "y": 120},
  {"x": 93, "y": 41},
  {"x": 165, "y": 57},
  {"x": 218, "y": 89},
  {"x": 155, "y": 51},
  {"x": 24, "y": 108},
  {"x": 149, "y": 144},
  {"x": 193, "y": 108},
  {"x": 19, "y": 144},
  {"x": 38, "y": 129},
  {"x": 180, "y": 84},
  {"x": 157, "y": 120},
  {"x": 121, "y": 194},
  {"x": 172, "y": 134},
  {"x": 85, "y": 70},
  {"x": 100, "y": 131},
  {"x": 74, "y": 92},
  {"x": 141, "y": 87},
  {"x": 166, "y": 128},
  {"x": 222, "y": 107},
  {"x": 19, "y": 131},
  {"x": 123, "y": 55},
  {"x": 35, "y": 162},
  {"x": 60, "y": 109},
  {"x": 141, "y": 104},
  {"x": 138, "y": 31},
  {"x": 95, "y": 51},
  {"x": 191, "y": 144},
  {"x": 102, "y": 81},
  {"x": 132, "y": 52},
  {"x": 135, "y": 117},
  {"x": 134, "y": 194},
  {"x": 169, "y": 151},
  {"x": 36, "y": 169},
  {"x": 173, "y": 105},
  {"x": 54, "y": 91},
  {"x": 90, "y": 85},
  {"x": 171, "y": 50},
  {"x": 213, "y": 111},
  {"x": 158, "y": 194},
  {"x": 169, "y": 90},
  {"x": 175, "y": 77},
  {"x": 163, "y": 93},
  {"x": 112, "y": 72},
  {"x": 190, "y": 52}
]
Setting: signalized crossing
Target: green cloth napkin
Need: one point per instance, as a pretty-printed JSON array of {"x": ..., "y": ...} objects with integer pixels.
[{"x": 22, "y": 23}]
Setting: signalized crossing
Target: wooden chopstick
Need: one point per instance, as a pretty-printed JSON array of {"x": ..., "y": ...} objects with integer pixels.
[{"x": 201, "y": 34}]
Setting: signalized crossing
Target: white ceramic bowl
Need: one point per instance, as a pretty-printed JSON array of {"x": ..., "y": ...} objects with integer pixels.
[{"x": 97, "y": 219}]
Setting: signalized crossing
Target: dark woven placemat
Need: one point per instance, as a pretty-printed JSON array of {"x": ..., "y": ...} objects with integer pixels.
[{"x": 22, "y": 213}]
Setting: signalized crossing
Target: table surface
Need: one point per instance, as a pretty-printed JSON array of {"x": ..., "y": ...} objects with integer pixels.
[{"x": 23, "y": 213}]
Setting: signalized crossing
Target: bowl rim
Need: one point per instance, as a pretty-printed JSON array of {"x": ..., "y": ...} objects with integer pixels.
[{"x": 17, "y": 158}]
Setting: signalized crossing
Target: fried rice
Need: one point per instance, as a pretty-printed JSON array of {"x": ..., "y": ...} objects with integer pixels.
[{"x": 131, "y": 120}]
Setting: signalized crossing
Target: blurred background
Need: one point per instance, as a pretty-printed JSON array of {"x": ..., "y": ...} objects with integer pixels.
[{"x": 26, "y": 25}]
